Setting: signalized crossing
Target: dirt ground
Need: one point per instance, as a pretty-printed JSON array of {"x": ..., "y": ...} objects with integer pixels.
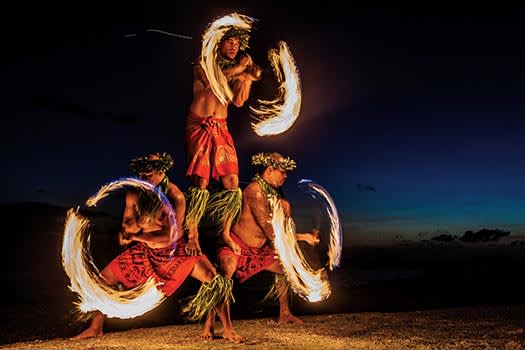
[{"x": 491, "y": 327}]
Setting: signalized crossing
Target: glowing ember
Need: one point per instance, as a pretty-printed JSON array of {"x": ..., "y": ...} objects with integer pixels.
[
  {"x": 209, "y": 52},
  {"x": 312, "y": 285},
  {"x": 278, "y": 115},
  {"x": 335, "y": 244},
  {"x": 84, "y": 276}
]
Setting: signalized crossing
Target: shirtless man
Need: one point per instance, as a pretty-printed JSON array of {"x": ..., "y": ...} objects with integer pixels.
[
  {"x": 154, "y": 249},
  {"x": 210, "y": 149},
  {"x": 253, "y": 231}
]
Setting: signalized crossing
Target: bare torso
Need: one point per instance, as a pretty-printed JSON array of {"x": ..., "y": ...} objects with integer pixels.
[
  {"x": 205, "y": 103},
  {"x": 254, "y": 225},
  {"x": 160, "y": 231}
]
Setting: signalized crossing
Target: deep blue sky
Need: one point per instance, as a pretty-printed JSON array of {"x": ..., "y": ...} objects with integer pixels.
[{"x": 412, "y": 118}]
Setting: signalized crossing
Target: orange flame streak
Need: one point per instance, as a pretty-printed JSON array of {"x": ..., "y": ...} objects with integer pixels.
[
  {"x": 278, "y": 115},
  {"x": 311, "y": 285},
  {"x": 209, "y": 52},
  {"x": 335, "y": 245},
  {"x": 93, "y": 292}
]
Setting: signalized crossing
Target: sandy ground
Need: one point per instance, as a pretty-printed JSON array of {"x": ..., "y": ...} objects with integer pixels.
[{"x": 491, "y": 327}]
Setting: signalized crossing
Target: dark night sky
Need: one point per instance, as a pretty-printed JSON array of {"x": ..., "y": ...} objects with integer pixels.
[{"x": 413, "y": 118}]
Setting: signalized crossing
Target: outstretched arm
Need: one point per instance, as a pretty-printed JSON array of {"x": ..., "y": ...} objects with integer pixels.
[{"x": 311, "y": 238}]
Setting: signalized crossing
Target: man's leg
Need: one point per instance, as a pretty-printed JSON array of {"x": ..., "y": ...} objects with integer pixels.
[
  {"x": 228, "y": 265},
  {"x": 225, "y": 206},
  {"x": 96, "y": 327},
  {"x": 283, "y": 292},
  {"x": 206, "y": 273},
  {"x": 197, "y": 198}
]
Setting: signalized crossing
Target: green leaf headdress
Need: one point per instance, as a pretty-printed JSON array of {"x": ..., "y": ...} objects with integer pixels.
[
  {"x": 269, "y": 159},
  {"x": 144, "y": 164},
  {"x": 149, "y": 203}
]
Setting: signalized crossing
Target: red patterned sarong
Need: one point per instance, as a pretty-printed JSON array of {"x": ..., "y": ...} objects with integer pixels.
[
  {"x": 252, "y": 260},
  {"x": 210, "y": 148},
  {"x": 169, "y": 266}
]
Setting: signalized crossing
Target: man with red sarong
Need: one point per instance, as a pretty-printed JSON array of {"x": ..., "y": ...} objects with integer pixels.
[
  {"x": 156, "y": 250},
  {"x": 210, "y": 150},
  {"x": 253, "y": 231}
]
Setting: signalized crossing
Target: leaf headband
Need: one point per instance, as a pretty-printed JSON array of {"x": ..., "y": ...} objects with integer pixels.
[
  {"x": 144, "y": 164},
  {"x": 265, "y": 160}
]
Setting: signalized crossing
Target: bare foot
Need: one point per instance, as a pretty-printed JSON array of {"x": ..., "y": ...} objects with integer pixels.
[
  {"x": 209, "y": 328},
  {"x": 207, "y": 332},
  {"x": 207, "y": 335},
  {"x": 289, "y": 318},
  {"x": 88, "y": 333},
  {"x": 233, "y": 337}
]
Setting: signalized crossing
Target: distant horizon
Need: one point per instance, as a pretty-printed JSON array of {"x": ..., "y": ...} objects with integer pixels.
[{"x": 350, "y": 239}]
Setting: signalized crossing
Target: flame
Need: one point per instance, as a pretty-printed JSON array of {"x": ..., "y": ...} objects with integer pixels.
[
  {"x": 273, "y": 116},
  {"x": 209, "y": 52},
  {"x": 93, "y": 292},
  {"x": 312, "y": 285},
  {"x": 278, "y": 115},
  {"x": 335, "y": 244}
]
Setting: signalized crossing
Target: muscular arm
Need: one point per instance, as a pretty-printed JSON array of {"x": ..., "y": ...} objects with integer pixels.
[
  {"x": 230, "y": 73},
  {"x": 241, "y": 80},
  {"x": 241, "y": 89},
  {"x": 160, "y": 237},
  {"x": 200, "y": 78},
  {"x": 130, "y": 217},
  {"x": 312, "y": 238},
  {"x": 178, "y": 201},
  {"x": 233, "y": 71},
  {"x": 143, "y": 229}
]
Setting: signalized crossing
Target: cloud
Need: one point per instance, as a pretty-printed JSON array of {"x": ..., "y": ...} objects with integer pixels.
[{"x": 425, "y": 234}]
